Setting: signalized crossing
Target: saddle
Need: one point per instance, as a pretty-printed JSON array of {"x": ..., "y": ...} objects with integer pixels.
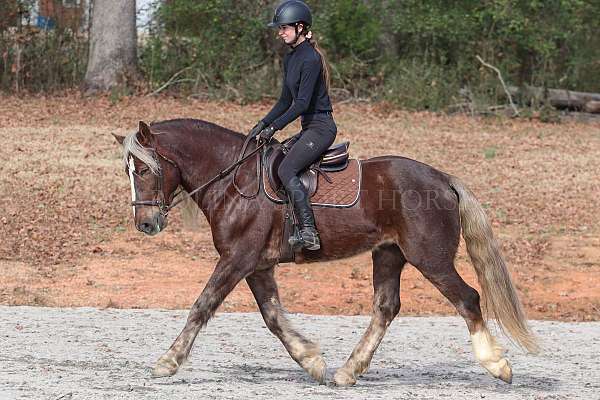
[{"x": 335, "y": 159}]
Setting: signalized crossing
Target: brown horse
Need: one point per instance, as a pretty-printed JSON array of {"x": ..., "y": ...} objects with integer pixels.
[{"x": 407, "y": 212}]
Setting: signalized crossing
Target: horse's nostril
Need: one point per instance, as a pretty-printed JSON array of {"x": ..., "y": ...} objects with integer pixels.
[{"x": 146, "y": 227}]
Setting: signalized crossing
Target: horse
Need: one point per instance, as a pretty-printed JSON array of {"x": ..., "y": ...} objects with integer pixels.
[{"x": 408, "y": 212}]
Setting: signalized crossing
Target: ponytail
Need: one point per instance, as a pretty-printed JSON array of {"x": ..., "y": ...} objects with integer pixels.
[{"x": 326, "y": 72}]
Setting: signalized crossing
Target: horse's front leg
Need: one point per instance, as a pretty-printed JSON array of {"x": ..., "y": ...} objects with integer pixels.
[
  {"x": 230, "y": 270},
  {"x": 303, "y": 351}
]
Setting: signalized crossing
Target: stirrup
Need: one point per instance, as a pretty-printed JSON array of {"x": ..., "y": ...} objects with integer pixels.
[{"x": 306, "y": 238}]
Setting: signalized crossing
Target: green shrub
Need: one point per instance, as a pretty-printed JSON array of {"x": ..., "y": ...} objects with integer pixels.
[
  {"x": 219, "y": 43},
  {"x": 41, "y": 61},
  {"x": 415, "y": 85},
  {"x": 417, "y": 54}
]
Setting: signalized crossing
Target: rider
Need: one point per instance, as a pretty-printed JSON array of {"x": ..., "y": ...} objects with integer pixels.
[{"x": 304, "y": 94}]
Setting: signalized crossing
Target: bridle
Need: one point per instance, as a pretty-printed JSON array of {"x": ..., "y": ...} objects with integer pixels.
[{"x": 164, "y": 207}]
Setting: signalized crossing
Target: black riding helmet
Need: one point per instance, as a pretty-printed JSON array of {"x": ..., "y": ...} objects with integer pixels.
[{"x": 290, "y": 13}]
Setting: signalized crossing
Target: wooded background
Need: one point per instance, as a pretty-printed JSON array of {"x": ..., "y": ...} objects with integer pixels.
[{"x": 416, "y": 54}]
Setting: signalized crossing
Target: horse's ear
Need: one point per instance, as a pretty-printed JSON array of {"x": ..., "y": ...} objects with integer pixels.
[
  {"x": 145, "y": 135},
  {"x": 119, "y": 138}
]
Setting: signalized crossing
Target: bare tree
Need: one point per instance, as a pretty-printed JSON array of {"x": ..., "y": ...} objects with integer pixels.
[{"x": 113, "y": 45}]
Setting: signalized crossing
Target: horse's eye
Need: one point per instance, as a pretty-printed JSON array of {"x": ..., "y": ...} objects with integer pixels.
[{"x": 143, "y": 171}]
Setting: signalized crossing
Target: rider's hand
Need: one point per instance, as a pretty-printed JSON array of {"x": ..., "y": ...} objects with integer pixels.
[
  {"x": 267, "y": 133},
  {"x": 257, "y": 128}
]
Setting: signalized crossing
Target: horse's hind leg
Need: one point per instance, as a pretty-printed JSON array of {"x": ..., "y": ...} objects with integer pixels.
[
  {"x": 303, "y": 351},
  {"x": 388, "y": 262},
  {"x": 466, "y": 300}
]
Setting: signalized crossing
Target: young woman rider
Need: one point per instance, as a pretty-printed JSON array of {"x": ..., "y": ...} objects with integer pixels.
[{"x": 304, "y": 94}]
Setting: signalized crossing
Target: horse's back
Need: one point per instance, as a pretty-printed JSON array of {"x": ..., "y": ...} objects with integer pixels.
[{"x": 404, "y": 173}]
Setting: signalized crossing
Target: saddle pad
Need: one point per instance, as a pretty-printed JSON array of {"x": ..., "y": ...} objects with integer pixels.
[{"x": 343, "y": 191}]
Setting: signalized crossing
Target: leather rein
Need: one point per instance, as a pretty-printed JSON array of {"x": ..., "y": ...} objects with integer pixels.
[{"x": 165, "y": 207}]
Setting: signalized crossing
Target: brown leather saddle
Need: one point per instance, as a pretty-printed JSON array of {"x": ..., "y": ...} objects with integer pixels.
[{"x": 334, "y": 159}]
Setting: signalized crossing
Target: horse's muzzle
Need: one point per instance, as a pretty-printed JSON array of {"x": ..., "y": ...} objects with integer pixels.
[{"x": 152, "y": 226}]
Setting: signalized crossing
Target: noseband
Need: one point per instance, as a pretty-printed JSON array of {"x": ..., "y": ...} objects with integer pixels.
[{"x": 163, "y": 206}]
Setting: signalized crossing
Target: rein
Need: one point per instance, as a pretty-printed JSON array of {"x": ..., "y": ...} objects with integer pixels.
[{"x": 222, "y": 174}]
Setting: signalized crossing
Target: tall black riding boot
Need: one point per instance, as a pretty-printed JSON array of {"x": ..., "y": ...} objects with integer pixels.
[{"x": 309, "y": 237}]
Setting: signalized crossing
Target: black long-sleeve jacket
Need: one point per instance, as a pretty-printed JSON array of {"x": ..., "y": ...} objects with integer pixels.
[{"x": 303, "y": 91}]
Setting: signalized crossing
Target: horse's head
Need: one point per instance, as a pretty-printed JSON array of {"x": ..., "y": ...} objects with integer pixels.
[{"x": 153, "y": 177}]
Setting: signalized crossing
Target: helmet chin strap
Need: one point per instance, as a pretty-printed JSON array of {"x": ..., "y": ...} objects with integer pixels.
[{"x": 295, "y": 43}]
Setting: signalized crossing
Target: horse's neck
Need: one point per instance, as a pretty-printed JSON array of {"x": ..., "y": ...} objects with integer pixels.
[{"x": 202, "y": 156}]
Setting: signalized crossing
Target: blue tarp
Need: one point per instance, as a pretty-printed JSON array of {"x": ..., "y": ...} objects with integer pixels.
[{"x": 45, "y": 23}]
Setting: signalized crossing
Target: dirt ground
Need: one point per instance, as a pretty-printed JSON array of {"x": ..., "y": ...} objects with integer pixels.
[
  {"x": 91, "y": 354},
  {"x": 67, "y": 237}
]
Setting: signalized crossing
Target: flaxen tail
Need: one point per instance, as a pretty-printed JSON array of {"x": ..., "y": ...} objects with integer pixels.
[{"x": 499, "y": 297}]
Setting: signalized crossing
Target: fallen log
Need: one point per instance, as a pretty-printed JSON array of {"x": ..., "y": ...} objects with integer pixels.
[
  {"x": 558, "y": 98},
  {"x": 592, "y": 107}
]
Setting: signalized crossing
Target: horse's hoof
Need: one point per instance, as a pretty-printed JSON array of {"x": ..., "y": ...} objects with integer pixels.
[
  {"x": 343, "y": 378},
  {"x": 316, "y": 368},
  {"x": 164, "y": 367},
  {"x": 500, "y": 369},
  {"x": 505, "y": 371}
]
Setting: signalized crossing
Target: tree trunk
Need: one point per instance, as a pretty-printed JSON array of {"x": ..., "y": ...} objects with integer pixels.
[{"x": 112, "y": 58}]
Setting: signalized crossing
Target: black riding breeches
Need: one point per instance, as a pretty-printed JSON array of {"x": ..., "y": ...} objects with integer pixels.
[{"x": 318, "y": 133}]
